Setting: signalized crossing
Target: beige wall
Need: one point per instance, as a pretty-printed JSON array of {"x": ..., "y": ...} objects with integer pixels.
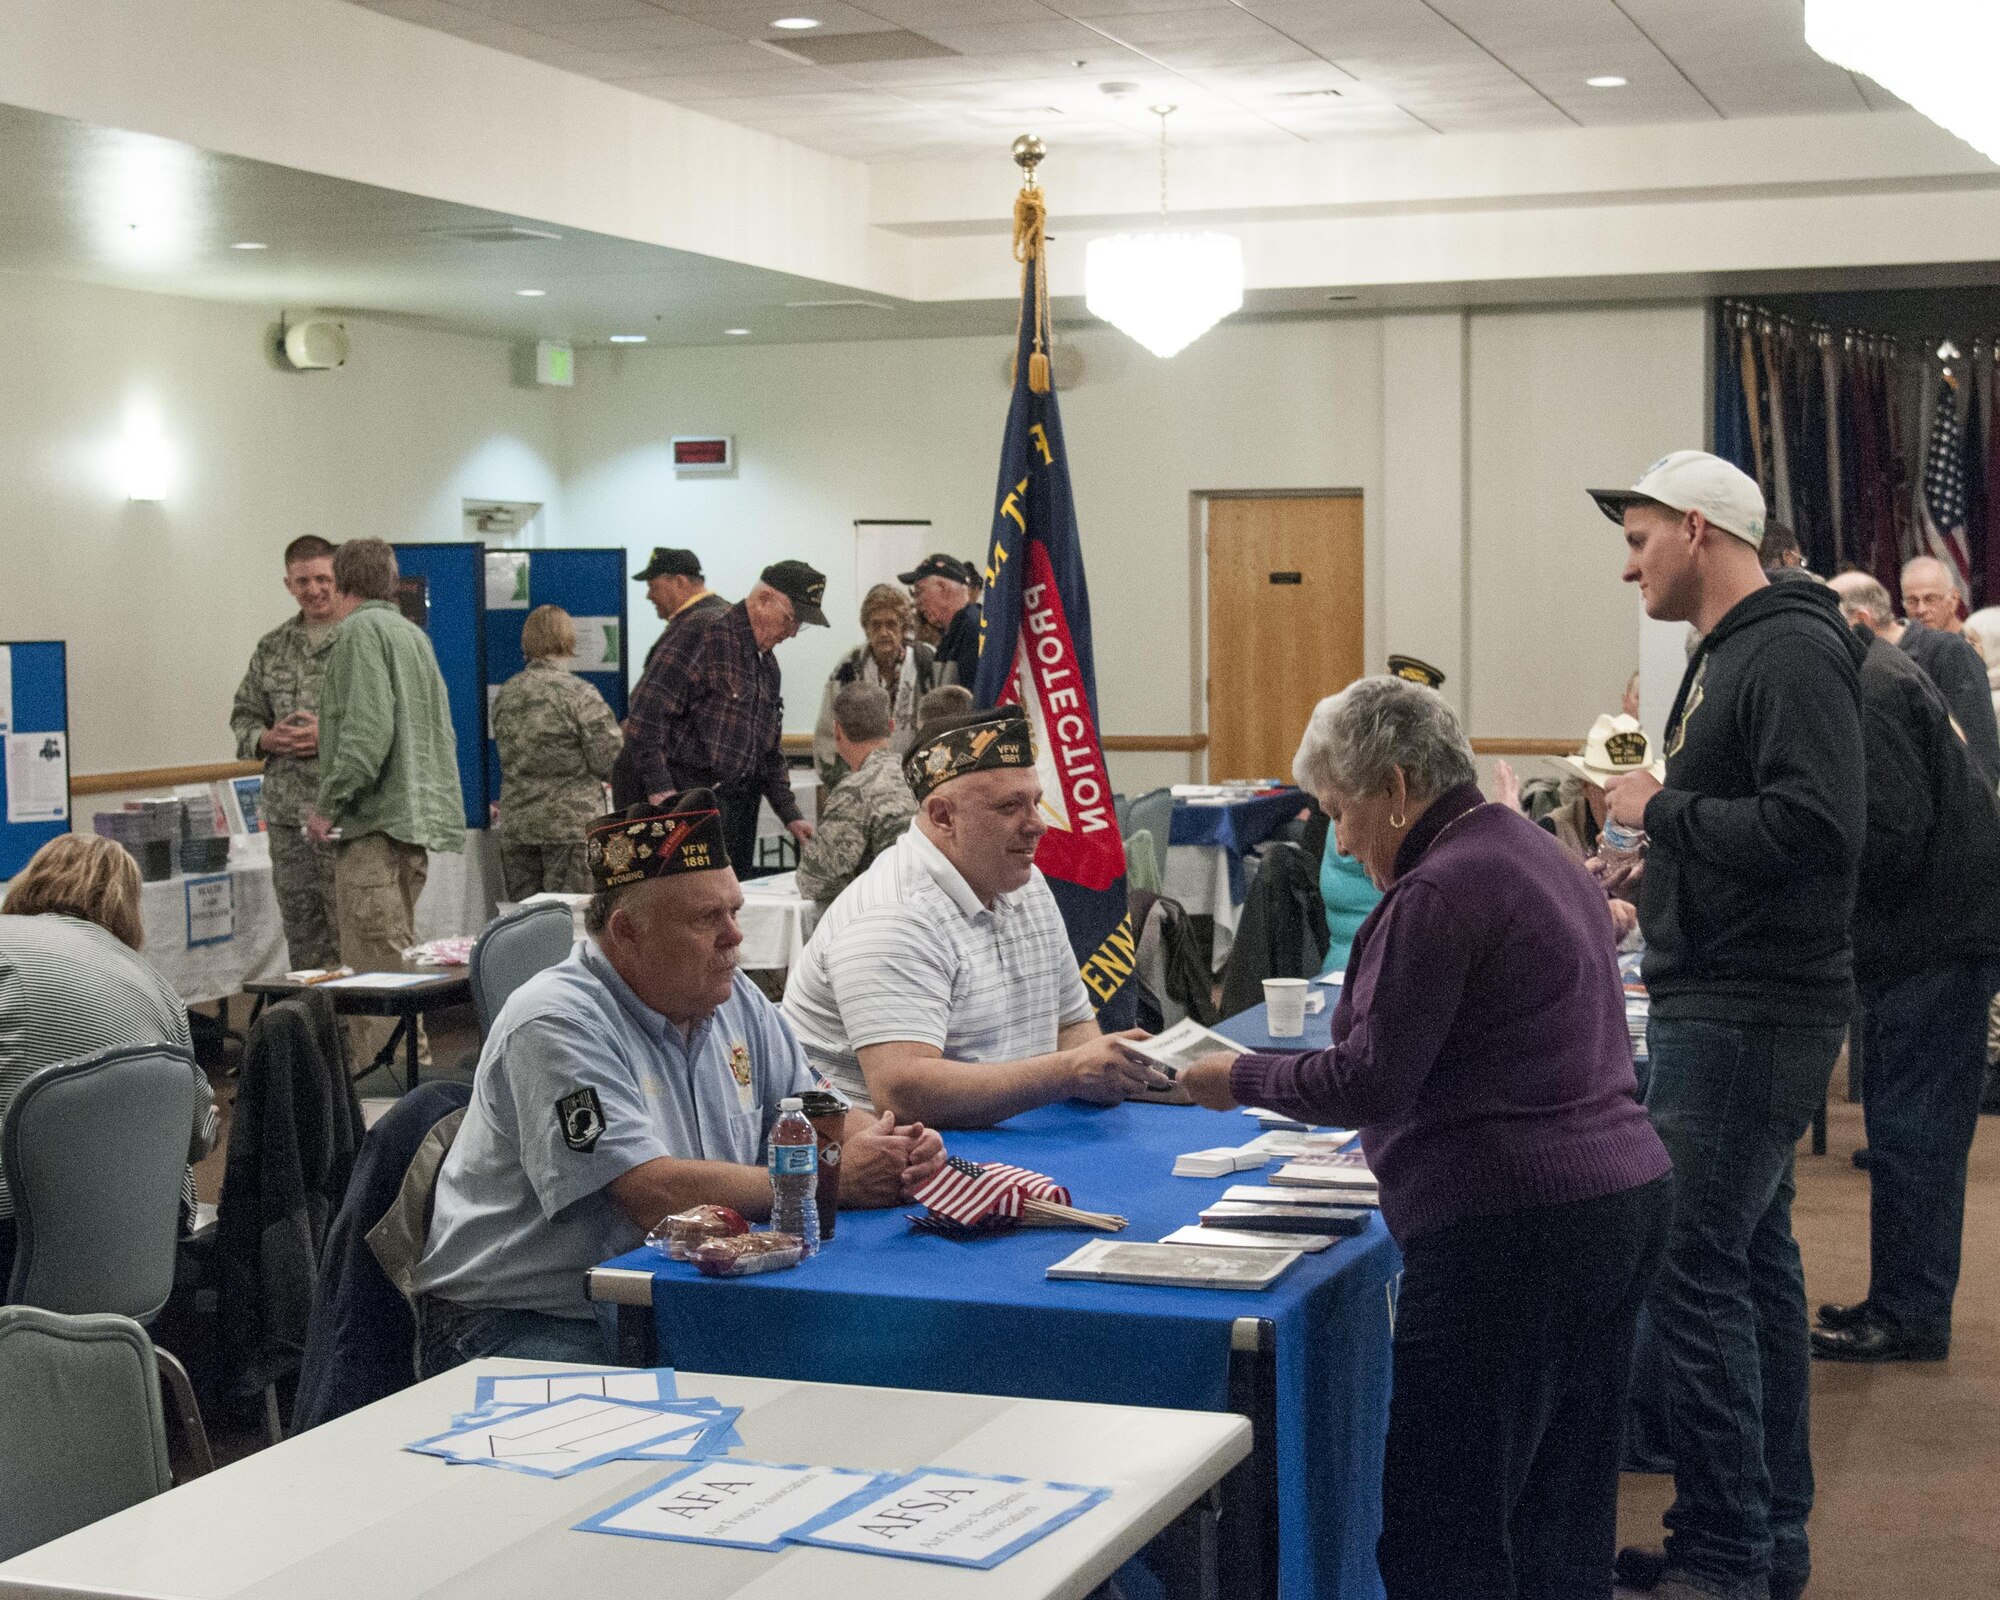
[
  {"x": 1470, "y": 436},
  {"x": 162, "y": 603}
]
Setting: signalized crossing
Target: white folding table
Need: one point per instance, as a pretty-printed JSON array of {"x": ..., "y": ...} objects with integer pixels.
[{"x": 345, "y": 1511}]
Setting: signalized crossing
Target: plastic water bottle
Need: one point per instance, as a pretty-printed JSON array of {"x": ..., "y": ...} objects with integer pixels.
[
  {"x": 795, "y": 1175},
  {"x": 1615, "y": 839}
]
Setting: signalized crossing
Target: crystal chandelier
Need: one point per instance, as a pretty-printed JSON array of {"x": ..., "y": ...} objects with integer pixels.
[
  {"x": 1936, "y": 54},
  {"x": 1164, "y": 288}
]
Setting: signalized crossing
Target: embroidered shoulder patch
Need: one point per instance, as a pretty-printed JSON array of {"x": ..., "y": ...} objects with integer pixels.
[{"x": 581, "y": 1118}]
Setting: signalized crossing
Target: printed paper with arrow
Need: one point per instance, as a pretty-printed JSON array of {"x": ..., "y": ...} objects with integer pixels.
[
  {"x": 617, "y": 1383},
  {"x": 553, "y": 1441}
]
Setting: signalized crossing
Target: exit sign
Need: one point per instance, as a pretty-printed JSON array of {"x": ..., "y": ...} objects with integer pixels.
[{"x": 708, "y": 453}]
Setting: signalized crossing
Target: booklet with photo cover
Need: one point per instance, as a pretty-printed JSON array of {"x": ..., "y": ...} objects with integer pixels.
[
  {"x": 1173, "y": 1052},
  {"x": 1177, "y": 1266}
]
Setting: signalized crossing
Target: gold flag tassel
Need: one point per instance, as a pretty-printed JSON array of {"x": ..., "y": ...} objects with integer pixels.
[{"x": 1031, "y": 249}]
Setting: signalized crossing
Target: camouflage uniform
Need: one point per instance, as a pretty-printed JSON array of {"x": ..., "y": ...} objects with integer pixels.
[
  {"x": 284, "y": 677},
  {"x": 558, "y": 741},
  {"x": 869, "y": 812}
]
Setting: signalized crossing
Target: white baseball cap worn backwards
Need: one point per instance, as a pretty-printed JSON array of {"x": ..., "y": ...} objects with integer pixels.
[{"x": 1694, "y": 480}]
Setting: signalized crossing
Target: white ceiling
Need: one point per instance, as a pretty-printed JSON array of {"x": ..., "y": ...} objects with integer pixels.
[{"x": 1240, "y": 71}]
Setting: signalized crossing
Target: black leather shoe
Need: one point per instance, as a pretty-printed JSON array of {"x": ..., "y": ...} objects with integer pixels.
[
  {"x": 1871, "y": 1341},
  {"x": 1860, "y": 1158},
  {"x": 1832, "y": 1316}
]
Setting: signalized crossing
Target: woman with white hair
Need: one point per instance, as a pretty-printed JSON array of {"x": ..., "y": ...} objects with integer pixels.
[{"x": 1480, "y": 1047}]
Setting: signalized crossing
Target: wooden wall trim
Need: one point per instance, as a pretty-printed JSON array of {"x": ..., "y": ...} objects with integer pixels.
[
  {"x": 161, "y": 777},
  {"x": 800, "y": 744},
  {"x": 1524, "y": 747}
]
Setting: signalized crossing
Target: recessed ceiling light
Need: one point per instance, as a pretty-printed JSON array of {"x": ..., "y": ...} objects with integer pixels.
[
  {"x": 531, "y": 294},
  {"x": 628, "y": 338},
  {"x": 736, "y": 333},
  {"x": 1609, "y": 80},
  {"x": 249, "y": 244},
  {"x": 796, "y": 24}
]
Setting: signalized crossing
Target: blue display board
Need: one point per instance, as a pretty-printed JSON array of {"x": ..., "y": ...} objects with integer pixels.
[
  {"x": 454, "y": 577},
  {"x": 40, "y": 704},
  {"x": 585, "y": 583}
]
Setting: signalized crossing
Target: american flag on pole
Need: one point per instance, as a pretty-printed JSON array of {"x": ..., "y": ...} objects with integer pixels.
[
  {"x": 1944, "y": 491},
  {"x": 972, "y": 1195}
]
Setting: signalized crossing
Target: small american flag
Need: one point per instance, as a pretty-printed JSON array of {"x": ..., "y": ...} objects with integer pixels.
[{"x": 970, "y": 1194}]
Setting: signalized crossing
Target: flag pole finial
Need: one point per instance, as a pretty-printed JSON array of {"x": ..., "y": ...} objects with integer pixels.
[{"x": 1030, "y": 249}]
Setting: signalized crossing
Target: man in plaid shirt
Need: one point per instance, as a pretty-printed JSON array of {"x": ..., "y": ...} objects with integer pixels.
[{"x": 709, "y": 714}]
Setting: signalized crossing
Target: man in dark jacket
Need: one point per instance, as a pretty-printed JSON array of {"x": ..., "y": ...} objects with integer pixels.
[
  {"x": 1927, "y": 957},
  {"x": 943, "y": 590},
  {"x": 1946, "y": 658},
  {"x": 680, "y": 596},
  {"x": 1746, "y": 897}
]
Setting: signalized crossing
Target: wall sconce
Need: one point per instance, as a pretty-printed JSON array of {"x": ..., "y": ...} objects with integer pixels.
[{"x": 145, "y": 461}]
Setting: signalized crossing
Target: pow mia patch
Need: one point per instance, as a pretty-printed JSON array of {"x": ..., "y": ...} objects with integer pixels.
[{"x": 581, "y": 1118}]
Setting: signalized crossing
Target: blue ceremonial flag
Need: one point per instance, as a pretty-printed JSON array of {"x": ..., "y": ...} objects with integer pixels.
[{"x": 1035, "y": 651}]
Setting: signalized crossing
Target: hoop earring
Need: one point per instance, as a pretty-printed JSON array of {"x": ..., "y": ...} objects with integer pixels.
[{"x": 1394, "y": 820}]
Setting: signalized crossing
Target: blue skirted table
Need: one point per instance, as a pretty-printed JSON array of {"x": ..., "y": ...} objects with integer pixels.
[
  {"x": 1206, "y": 866},
  {"x": 1307, "y": 1360}
]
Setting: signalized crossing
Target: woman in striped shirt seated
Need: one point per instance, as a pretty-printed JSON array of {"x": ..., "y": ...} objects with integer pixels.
[{"x": 72, "y": 983}]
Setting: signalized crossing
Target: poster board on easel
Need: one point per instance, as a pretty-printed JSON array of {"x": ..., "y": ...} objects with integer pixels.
[{"x": 34, "y": 732}]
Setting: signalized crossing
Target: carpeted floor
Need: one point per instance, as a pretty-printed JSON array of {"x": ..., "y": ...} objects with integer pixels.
[{"x": 1907, "y": 1455}]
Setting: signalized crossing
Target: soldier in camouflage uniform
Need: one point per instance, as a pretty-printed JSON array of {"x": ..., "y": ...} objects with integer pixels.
[
  {"x": 275, "y": 718},
  {"x": 558, "y": 741},
  {"x": 873, "y": 805}
]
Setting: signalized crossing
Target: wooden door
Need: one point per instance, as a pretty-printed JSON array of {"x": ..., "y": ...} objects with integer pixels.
[{"x": 1284, "y": 623}]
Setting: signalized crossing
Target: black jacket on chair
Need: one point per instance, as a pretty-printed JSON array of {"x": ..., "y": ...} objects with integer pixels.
[
  {"x": 292, "y": 1144},
  {"x": 361, "y": 1344},
  {"x": 1282, "y": 933}
]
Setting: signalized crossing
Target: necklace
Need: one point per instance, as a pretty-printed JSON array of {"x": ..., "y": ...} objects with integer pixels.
[{"x": 1455, "y": 821}]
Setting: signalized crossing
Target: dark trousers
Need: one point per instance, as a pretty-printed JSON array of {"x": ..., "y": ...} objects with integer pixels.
[
  {"x": 1731, "y": 1101},
  {"x": 740, "y": 807},
  {"x": 450, "y": 1335},
  {"x": 1513, "y": 1345},
  {"x": 1926, "y": 1045}
]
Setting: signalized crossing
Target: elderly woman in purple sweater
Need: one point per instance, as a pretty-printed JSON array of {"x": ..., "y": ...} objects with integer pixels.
[{"x": 1480, "y": 1046}]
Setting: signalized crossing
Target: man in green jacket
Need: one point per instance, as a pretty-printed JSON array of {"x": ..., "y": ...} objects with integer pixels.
[{"x": 388, "y": 766}]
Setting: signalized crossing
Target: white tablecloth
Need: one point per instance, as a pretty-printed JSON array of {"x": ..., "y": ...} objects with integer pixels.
[
  {"x": 775, "y": 921},
  {"x": 1197, "y": 875},
  {"x": 458, "y": 899}
]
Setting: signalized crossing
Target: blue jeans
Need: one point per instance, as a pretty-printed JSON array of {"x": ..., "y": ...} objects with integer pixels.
[
  {"x": 1730, "y": 1101},
  {"x": 1925, "y": 1070},
  {"x": 449, "y": 1336}
]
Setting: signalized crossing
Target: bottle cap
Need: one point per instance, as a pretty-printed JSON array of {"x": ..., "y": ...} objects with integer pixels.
[{"x": 791, "y": 1102}]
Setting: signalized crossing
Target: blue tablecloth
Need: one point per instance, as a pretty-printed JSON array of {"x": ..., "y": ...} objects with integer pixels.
[
  {"x": 1238, "y": 827},
  {"x": 885, "y": 1305}
]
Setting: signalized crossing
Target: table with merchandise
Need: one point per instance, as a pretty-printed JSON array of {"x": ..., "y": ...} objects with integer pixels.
[{"x": 1307, "y": 1359}]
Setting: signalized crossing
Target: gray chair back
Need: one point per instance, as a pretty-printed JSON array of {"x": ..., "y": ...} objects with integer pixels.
[
  {"x": 1142, "y": 862},
  {"x": 513, "y": 949},
  {"x": 84, "y": 1434},
  {"x": 1153, "y": 812},
  {"x": 94, "y": 1152}
]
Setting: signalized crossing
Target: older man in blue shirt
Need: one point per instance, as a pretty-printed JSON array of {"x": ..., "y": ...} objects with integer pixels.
[{"x": 637, "y": 1078}]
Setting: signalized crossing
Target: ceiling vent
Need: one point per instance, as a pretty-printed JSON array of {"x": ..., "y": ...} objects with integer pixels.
[{"x": 858, "y": 49}]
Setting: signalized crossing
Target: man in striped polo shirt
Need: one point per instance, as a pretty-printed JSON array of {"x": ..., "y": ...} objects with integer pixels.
[{"x": 941, "y": 985}]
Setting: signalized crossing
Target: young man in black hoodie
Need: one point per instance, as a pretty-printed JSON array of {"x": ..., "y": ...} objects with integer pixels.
[
  {"x": 1746, "y": 897},
  {"x": 1927, "y": 958}
]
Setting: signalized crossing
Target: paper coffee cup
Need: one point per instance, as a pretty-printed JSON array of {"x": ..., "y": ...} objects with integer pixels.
[{"x": 1285, "y": 1006}]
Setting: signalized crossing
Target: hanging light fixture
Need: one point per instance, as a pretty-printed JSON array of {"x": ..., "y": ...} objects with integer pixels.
[
  {"x": 1164, "y": 288},
  {"x": 1936, "y": 54}
]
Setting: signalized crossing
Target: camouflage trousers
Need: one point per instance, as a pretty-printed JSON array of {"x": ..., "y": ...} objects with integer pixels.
[
  {"x": 302, "y": 877},
  {"x": 532, "y": 867}
]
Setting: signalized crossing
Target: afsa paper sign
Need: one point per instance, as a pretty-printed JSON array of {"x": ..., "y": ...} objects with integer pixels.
[{"x": 955, "y": 1517}]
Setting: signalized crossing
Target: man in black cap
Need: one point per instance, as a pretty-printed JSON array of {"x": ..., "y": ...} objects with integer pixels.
[
  {"x": 674, "y": 585},
  {"x": 943, "y": 587},
  {"x": 941, "y": 984},
  {"x": 709, "y": 714},
  {"x": 637, "y": 1078}
]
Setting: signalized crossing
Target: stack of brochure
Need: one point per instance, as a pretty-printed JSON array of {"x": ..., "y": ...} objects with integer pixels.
[
  {"x": 1342, "y": 1174},
  {"x": 1220, "y": 1162}
]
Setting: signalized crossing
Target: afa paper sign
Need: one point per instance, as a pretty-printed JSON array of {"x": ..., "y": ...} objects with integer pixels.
[{"x": 750, "y": 1505}]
